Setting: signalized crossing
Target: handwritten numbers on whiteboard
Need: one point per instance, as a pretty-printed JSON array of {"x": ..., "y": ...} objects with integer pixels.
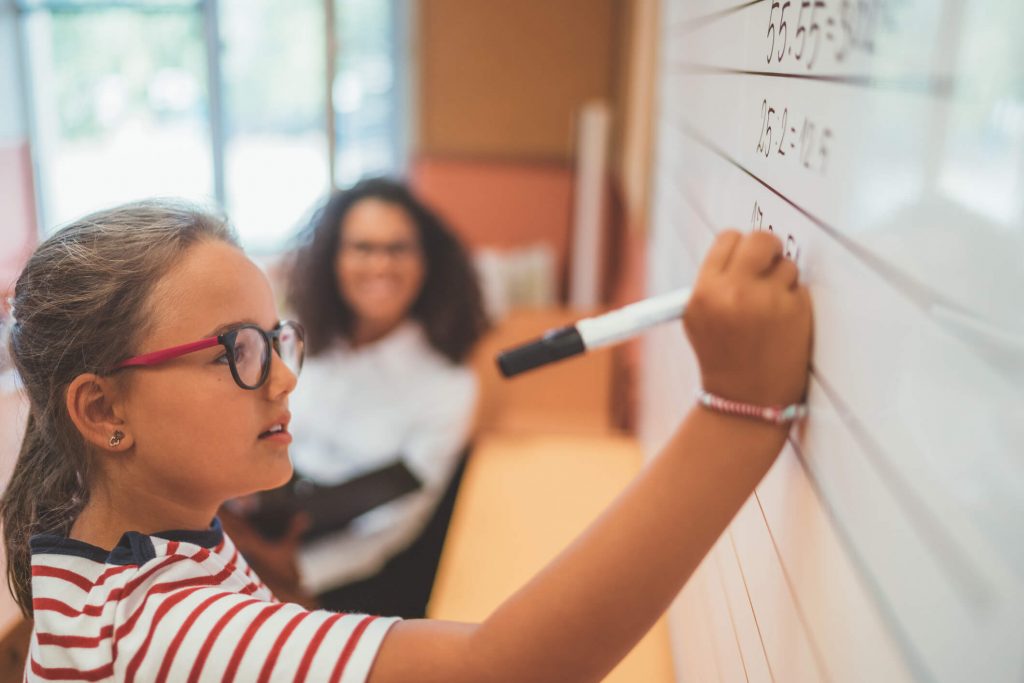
[
  {"x": 783, "y": 30},
  {"x": 826, "y": 136},
  {"x": 757, "y": 220},
  {"x": 782, "y": 140},
  {"x": 764, "y": 140},
  {"x": 815, "y": 31},
  {"x": 810, "y": 30},
  {"x": 811, "y": 147},
  {"x": 791, "y": 249},
  {"x": 847, "y": 25},
  {"x": 771, "y": 30}
]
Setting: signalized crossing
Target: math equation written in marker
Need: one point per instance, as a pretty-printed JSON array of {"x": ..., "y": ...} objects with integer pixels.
[
  {"x": 814, "y": 32},
  {"x": 791, "y": 249},
  {"x": 784, "y": 135}
]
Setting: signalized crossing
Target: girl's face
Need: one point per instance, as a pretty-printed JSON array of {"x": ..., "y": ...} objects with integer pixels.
[
  {"x": 379, "y": 265},
  {"x": 198, "y": 437}
]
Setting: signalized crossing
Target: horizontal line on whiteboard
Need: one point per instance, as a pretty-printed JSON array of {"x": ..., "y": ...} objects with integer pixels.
[
  {"x": 687, "y": 25},
  {"x": 732, "y": 618},
  {"x": 890, "y": 617},
  {"x": 938, "y": 307},
  {"x": 815, "y": 648},
  {"x": 940, "y": 544},
  {"x": 909, "y": 652},
  {"x": 750, "y": 601},
  {"x": 937, "y": 86},
  {"x": 920, "y": 294},
  {"x": 794, "y": 594},
  {"x": 906, "y": 644},
  {"x": 918, "y": 511}
]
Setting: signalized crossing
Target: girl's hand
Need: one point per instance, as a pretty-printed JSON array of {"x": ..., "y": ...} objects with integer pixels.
[{"x": 749, "y": 321}]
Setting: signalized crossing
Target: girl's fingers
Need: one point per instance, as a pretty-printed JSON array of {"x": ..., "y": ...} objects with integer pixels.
[
  {"x": 786, "y": 272},
  {"x": 756, "y": 253},
  {"x": 721, "y": 251}
]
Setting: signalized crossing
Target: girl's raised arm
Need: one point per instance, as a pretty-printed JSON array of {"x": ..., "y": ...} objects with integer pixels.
[{"x": 750, "y": 325}]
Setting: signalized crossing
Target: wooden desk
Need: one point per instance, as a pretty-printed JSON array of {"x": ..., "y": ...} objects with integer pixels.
[{"x": 523, "y": 499}]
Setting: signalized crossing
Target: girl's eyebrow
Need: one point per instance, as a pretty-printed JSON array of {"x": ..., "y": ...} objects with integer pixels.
[{"x": 230, "y": 326}]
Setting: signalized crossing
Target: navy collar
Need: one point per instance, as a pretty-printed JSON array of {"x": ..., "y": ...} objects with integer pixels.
[{"x": 133, "y": 548}]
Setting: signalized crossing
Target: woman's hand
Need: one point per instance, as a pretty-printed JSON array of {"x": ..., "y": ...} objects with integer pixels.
[{"x": 749, "y": 321}]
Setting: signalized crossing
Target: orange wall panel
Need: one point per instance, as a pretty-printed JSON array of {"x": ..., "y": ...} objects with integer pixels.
[
  {"x": 506, "y": 79},
  {"x": 500, "y": 205}
]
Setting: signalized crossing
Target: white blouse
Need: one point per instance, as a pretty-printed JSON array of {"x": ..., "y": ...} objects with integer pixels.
[{"x": 357, "y": 410}]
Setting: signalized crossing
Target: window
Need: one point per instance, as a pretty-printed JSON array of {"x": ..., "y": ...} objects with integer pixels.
[
  {"x": 369, "y": 88},
  {"x": 219, "y": 101}
]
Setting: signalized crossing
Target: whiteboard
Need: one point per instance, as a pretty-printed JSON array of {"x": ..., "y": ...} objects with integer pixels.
[{"x": 883, "y": 141}]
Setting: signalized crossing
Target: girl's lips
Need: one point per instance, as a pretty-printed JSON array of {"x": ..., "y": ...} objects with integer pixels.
[{"x": 282, "y": 437}]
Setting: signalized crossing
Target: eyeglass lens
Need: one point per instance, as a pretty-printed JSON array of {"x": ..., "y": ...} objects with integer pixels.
[
  {"x": 251, "y": 356},
  {"x": 398, "y": 251},
  {"x": 252, "y": 353},
  {"x": 290, "y": 347}
]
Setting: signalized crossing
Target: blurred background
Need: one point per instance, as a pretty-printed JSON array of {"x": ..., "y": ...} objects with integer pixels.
[
  {"x": 261, "y": 106},
  {"x": 526, "y": 125}
]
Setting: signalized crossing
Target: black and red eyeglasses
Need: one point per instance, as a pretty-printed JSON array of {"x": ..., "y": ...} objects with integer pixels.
[{"x": 247, "y": 351}]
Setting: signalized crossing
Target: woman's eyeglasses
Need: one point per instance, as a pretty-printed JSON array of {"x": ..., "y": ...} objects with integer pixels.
[
  {"x": 247, "y": 351},
  {"x": 396, "y": 251}
]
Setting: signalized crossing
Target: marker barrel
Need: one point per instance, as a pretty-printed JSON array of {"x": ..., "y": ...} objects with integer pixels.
[
  {"x": 591, "y": 333},
  {"x": 628, "y": 321}
]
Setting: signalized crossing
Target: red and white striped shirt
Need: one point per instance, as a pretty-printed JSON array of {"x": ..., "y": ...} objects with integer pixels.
[{"x": 181, "y": 606}]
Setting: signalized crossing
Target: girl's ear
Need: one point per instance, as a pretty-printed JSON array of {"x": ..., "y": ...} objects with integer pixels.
[{"x": 92, "y": 403}]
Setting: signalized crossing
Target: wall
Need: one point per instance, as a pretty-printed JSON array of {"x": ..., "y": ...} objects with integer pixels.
[
  {"x": 499, "y": 87},
  {"x": 500, "y": 204},
  {"x": 506, "y": 79}
]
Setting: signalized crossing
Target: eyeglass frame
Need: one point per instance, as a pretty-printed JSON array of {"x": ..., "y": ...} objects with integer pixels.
[
  {"x": 227, "y": 340},
  {"x": 397, "y": 251}
]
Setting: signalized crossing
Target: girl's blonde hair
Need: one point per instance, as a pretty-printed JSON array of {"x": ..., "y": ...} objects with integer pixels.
[{"x": 80, "y": 306}]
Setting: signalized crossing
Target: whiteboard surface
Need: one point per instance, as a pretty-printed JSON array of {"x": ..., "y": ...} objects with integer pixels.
[{"x": 883, "y": 141}]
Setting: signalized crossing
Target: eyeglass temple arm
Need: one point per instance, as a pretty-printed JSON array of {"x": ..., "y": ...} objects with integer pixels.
[{"x": 157, "y": 357}]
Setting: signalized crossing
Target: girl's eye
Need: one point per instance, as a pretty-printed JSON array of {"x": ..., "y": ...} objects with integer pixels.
[{"x": 222, "y": 359}]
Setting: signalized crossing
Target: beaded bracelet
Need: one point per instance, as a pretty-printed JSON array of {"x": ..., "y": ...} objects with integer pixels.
[{"x": 778, "y": 415}]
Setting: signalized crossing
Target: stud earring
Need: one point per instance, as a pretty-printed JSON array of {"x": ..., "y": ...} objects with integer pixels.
[{"x": 115, "y": 440}]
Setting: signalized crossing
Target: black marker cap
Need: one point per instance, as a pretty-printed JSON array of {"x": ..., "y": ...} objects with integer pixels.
[{"x": 553, "y": 346}]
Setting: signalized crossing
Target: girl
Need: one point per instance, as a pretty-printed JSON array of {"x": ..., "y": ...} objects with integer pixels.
[{"x": 158, "y": 375}]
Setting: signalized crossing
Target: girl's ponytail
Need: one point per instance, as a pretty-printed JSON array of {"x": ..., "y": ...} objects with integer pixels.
[{"x": 45, "y": 494}]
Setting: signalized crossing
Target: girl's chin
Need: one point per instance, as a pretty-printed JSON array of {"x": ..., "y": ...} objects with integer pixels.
[{"x": 278, "y": 472}]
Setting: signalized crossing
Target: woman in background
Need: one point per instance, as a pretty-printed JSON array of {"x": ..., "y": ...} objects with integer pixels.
[{"x": 392, "y": 309}]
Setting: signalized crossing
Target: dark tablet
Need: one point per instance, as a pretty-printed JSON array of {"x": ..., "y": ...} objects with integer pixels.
[{"x": 330, "y": 508}]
